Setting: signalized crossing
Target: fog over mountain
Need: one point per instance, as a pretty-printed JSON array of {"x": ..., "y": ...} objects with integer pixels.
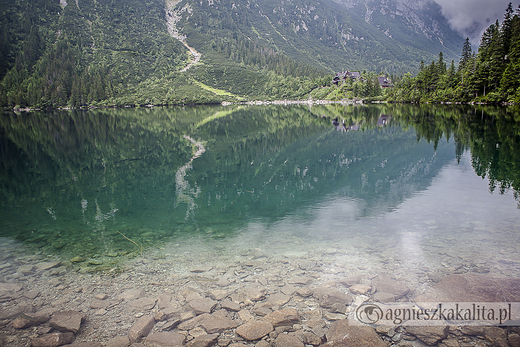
[
  {"x": 472, "y": 17},
  {"x": 469, "y": 18}
]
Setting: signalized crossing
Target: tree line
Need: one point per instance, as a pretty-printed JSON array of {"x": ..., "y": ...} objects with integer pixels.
[{"x": 489, "y": 75}]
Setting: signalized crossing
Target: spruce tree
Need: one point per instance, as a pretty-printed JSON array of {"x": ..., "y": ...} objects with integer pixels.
[
  {"x": 510, "y": 82},
  {"x": 466, "y": 54},
  {"x": 441, "y": 65},
  {"x": 507, "y": 29}
]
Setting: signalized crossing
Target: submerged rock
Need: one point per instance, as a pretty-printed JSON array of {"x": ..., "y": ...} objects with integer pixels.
[
  {"x": 288, "y": 316},
  {"x": 428, "y": 334},
  {"x": 203, "y": 341},
  {"x": 164, "y": 339},
  {"x": 254, "y": 330},
  {"x": 329, "y": 296},
  {"x": 286, "y": 340},
  {"x": 95, "y": 262},
  {"x": 341, "y": 334},
  {"x": 26, "y": 320},
  {"x": 77, "y": 259},
  {"x": 67, "y": 321},
  {"x": 473, "y": 288},
  {"x": 204, "y": 305},
  {"x": 386, "y": 284},
  {"x": 53, "y": 340},
  {"x": 141, "y": 328}
]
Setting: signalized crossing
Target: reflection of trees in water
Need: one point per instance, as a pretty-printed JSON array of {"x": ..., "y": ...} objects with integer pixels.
[
  {"x": 491, "y": 134},
  {"x": 264, "y": 162},
  {"x": 263, "y": 171}
]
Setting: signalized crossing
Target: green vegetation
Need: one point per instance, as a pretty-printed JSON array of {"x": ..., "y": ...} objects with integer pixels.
[
  {"x": 490, "y": 75},
  {"x": 116, "y": 53},
  {"x": 366, "y": 88}
]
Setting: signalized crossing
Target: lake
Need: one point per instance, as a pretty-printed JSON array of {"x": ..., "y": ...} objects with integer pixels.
[{"x": 416, "y": 192}]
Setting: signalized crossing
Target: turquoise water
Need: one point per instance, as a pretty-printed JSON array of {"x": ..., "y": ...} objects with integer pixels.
[{"x": 393, "y": 185}]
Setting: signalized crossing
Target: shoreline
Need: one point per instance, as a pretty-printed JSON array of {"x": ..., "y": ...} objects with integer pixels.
[{"x": 284, "y": 102}]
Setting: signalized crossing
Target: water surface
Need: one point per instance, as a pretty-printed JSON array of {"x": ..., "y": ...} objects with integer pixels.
[{"x": 419, "y": 192}]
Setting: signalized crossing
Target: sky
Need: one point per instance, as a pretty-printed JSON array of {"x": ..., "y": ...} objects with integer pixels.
[{"x": 472, "y": 17}]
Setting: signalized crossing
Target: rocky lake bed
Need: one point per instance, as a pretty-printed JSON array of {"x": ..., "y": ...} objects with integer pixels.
[{"x": 249, "y": 298}]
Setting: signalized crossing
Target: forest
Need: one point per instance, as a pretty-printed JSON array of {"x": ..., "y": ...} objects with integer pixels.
[
  {"x": 489, "y": 75},
  {"x": 120, "y": 53}
]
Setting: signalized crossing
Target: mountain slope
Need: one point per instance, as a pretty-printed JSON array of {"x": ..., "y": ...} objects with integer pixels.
[
  {"x": 327, "y": 34},
  {"x": 418, "y": 24},
  {"x": 130, "y": 52}
]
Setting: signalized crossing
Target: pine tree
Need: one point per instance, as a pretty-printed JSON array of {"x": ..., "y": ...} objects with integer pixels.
[
  {"x": 441, "y": 65},
  {"x": 510, "y": 81},
  {"x": 466, "y": 54},
  {"x": 507, "y": 29}
]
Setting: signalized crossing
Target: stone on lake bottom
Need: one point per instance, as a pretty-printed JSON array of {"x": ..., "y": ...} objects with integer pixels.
[
  {"x": 473, "y": 288},
  {"x": 101, "y": 296},
  {"x": 341, "y": 334},
  {"x": 47, "y": 265},
  {"x": 131, "y": 294},
  {"x": 26, "y": 320},
  {"x": 97, "y": 304},
  {"x": 67, "y": 321},
  {"x": 119, "y": 341},
  {"x": 277, "y": 300},
  {"x": 254, "y": 294},
  {"x": 254, "y": 330},
  {"x": 333, "y": 316},
  {"x": 143, "y": 303},
  {"x": 350, "y": 281},
  {"x": 289, "y": 289},
  {"x": 141, "y": 328},
  {"x": 32, "y": 294},
  {"x": 167, "y": 313},
  {"x": 10, "y": 287},
  {"x": 429, "y": 334},
  {"x": 385, "y": 283},
  {"x": 217, "y": 294},
  {"x": 77, "y": 259},
  {"x": 328, "y": 296},
  {"x": 204, "y": 305},
  {"x": 230, "y": 305},
  {"x": 203, "y": 341},
  {"x": 53, "y": 340},
  {"x": 311, "y": 338},
  {"x": 303, "y": 280},
  {"x": 287, "y": 316},
  {"x": 217, "y": 323},
  {"x": 286, "y": 340},
  {"x": 193, "y": 322},
  {"x": 360, "y": 289},
  {"x": 165, "y": 339}
]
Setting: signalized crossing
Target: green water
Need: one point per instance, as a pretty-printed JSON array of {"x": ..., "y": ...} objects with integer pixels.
[{"x": 110, "y": 184}]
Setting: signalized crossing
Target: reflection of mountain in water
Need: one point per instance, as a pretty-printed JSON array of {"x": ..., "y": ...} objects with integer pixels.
[
  {"x": 185, "y": 193},
  {"x": 255, "y": 177},
  {"x": 70, "y": 181}
]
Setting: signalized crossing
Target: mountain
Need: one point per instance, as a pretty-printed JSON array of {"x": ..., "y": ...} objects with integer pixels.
[
  {"x": 418, "y": 24},
  {"x": 347, "y": 34},
  {"x": 132, "y": 52}
]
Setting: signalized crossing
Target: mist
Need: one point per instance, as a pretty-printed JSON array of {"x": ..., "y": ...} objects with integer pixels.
[{"x": 472, "y": 17}]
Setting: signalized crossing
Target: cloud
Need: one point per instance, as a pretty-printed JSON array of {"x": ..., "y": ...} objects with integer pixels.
[{"x": 472, "y": 17}]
